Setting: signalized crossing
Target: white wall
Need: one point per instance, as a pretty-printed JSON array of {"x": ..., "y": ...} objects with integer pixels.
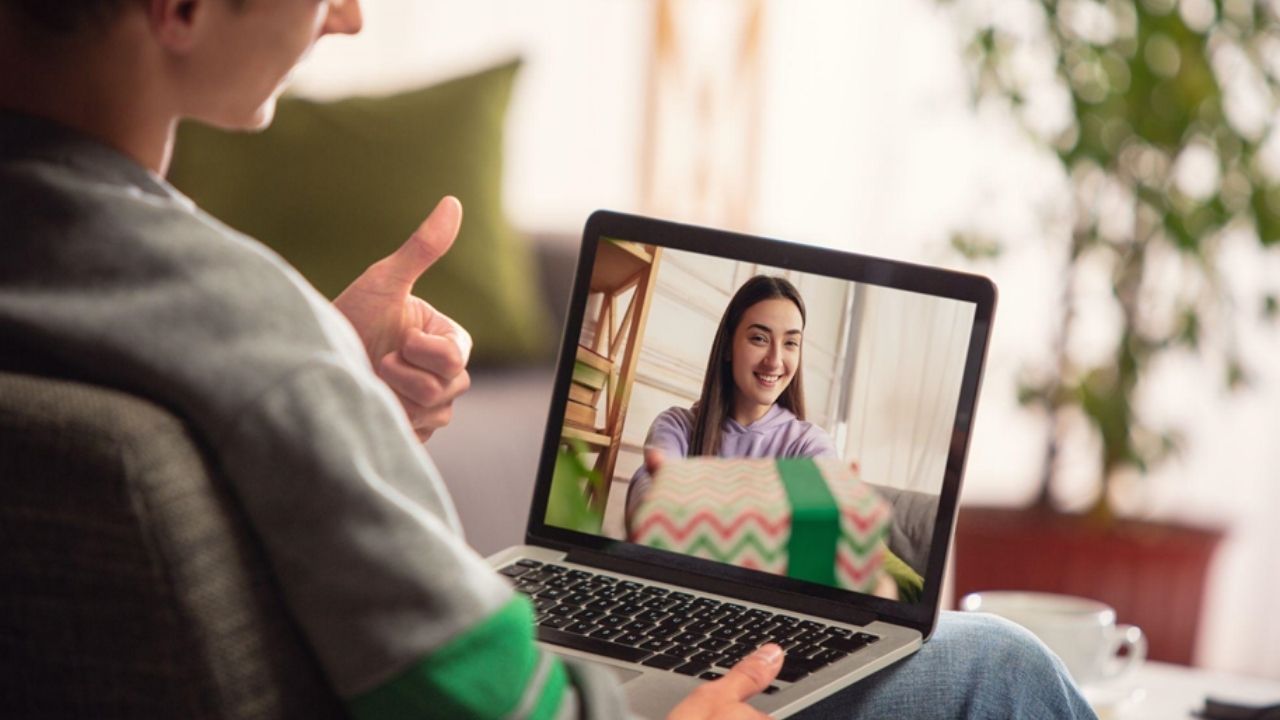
[
  {"x": 909, "y": 360},
  {"x": 871, "y": 143}
]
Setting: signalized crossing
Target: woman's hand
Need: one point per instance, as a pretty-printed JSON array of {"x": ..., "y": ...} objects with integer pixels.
[
  {"x": 725, "y": 699},
  {"x": 886, "y": 587},
  {"x": 653, "y": 460}
]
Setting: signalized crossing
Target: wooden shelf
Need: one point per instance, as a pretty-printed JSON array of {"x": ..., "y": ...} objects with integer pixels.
[
  {"x": 634, "y": 248},
  {"x": 618, "y": 264},
  {"x": 593, "y": 439},
  {"x": 594, "y": 359},
  {"x": 623, "y": 277}
]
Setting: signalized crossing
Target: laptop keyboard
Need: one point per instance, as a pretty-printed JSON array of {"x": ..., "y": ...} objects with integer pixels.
[{"x": 670, "y": 630}]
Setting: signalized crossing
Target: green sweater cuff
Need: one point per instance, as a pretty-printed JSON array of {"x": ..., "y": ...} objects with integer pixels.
[{"x": 493, "y": 670}]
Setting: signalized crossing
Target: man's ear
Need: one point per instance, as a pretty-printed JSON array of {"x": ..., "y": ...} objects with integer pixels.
[{"x": 175, "y": 22}]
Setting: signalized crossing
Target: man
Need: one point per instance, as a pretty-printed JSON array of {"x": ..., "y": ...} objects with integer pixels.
[{"x": 315, "y": 417}]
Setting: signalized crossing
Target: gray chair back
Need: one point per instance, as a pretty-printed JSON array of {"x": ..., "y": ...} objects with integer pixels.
[{"x": 130, "y": 584}]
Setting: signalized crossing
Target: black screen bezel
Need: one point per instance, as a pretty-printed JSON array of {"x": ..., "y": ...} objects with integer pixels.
[{"x": 795, "y": 595}]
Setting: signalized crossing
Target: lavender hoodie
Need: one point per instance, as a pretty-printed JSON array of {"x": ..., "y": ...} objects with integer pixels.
[{"x": 779, "y": 433}]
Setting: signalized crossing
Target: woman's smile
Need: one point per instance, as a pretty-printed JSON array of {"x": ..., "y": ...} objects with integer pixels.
[{"x": 768, "y": 380}]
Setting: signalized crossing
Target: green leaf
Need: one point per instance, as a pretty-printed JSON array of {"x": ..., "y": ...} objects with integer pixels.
[
  {"x": 1237, "y": 377},
  {"x": 1191, "y": 228},
  {"x": 1270, "y": 307},
  {"x": 975, "y": 247},
  {"x": 1266, "y": 212},
  {"x": 1181, "y": 235},
  {"x": 1162, "y": 108},
  {"x": 1188, "y": 333},
  {"x": 1029, "y": 395},
  {"x": 1106, "y": 404},
  {"x": 571, "y": 485}
]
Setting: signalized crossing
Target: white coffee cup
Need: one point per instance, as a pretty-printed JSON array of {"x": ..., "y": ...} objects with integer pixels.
[{"x": 1081, "y": 631}]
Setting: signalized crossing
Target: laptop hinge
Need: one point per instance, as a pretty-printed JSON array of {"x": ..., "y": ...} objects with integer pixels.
[{"x": 782, "y": 599}]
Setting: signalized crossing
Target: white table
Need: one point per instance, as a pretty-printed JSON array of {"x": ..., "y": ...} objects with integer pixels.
[{"x": 1172, "y": 692}]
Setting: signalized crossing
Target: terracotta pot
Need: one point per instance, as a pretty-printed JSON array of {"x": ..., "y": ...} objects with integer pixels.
[{"x": 1153, "y": 574}]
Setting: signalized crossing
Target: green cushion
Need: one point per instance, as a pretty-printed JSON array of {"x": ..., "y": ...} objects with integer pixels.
[{"x": 335, "y": 186}]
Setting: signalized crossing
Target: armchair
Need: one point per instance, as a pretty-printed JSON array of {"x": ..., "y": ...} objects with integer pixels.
[{"x": 130, "y": 584}]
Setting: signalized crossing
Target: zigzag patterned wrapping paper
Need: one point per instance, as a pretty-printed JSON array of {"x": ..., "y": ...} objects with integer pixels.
[{"x": 740, "y": 511}]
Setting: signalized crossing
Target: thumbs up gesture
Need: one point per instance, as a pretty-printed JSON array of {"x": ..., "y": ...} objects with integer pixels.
[{"x": 417, "y": 350}]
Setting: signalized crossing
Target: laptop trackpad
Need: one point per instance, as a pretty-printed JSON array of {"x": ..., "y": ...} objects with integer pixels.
[{"x": 624, "y": 675}]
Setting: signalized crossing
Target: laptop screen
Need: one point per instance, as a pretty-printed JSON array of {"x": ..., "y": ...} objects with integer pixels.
[{"x": 782, "y": 410}]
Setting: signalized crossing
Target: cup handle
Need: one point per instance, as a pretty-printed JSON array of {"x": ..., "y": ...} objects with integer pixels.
[{"x": 1132, "y": 639}]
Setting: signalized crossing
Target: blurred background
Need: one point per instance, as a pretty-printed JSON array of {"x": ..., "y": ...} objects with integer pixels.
[{"x": 1111, "y": 165}]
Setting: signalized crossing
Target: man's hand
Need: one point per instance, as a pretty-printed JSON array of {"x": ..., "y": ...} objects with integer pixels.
[
  {"x": 418, "y": 351},
  {"x": 724, "y": 699}
]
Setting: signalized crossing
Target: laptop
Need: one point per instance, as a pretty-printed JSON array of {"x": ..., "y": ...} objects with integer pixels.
[{"x": 892, "y": 359}]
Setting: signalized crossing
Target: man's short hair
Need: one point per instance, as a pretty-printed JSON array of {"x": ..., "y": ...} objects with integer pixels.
[
  {"x": 64, "y": 16},
  {"x": 69, "y": 16}
]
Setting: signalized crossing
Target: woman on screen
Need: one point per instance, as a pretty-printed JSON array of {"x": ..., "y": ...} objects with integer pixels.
[{"x": 752, "y": 401}]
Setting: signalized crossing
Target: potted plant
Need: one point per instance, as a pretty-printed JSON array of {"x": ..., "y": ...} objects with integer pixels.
[
  {"x": 1163, "y": 167},
  {"x": 578, "y": 493}
]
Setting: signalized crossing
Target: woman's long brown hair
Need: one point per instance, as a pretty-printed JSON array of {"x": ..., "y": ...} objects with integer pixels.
[{"x": 716, "y": 401}]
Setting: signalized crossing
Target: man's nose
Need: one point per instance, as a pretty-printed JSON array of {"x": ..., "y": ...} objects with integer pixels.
[{"x": 344, "y": 18}]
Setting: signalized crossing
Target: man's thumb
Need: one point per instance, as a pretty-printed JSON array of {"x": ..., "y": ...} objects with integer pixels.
[{"x": 429, "y": 242}]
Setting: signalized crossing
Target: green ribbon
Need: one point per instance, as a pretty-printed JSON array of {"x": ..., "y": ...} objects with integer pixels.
[{"x": 815, "y": 522}]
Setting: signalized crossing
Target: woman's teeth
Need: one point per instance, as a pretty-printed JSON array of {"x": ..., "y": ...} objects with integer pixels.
[{"x": 768, "y": 379}]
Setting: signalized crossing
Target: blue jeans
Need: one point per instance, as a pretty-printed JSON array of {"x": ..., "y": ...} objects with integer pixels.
[{"x": 975, "y": 666}]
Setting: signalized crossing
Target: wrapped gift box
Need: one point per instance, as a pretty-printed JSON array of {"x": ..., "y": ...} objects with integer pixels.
[{"x": 807, "y": 518}]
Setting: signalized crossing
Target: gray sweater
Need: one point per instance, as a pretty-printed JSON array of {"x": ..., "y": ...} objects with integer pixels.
[{"x": 109, "y": 275}]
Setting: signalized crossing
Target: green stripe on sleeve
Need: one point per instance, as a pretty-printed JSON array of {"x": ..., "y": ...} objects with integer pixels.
[
  {"x": 493, "y": 670},
  {"x": 553, "y": 692}
]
